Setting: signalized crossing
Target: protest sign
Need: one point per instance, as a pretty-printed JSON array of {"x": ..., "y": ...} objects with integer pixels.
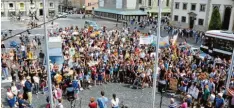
[
  {"x": 195, "y": 93},
  {"x": 173, "y": 84}
]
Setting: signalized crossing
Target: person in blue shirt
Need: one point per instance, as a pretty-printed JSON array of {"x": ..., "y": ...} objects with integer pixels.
[
  {"x": 219, "y": 101},
  {"x": 102, "y": 101}
]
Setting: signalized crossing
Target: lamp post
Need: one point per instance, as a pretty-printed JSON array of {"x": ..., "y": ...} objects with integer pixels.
[
  {"x": 157, "y": 51},
  {"x": 47, "y": 57}
]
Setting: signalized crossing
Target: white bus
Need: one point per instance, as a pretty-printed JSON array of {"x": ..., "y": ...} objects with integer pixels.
[{"x": 218, "y": 43}]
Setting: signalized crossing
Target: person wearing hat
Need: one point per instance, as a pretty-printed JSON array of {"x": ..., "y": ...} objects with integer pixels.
[
  {"x": 92, "y": 103},
  {"x": 219, "y": 101},
  {"x": 28, "y": 90}
]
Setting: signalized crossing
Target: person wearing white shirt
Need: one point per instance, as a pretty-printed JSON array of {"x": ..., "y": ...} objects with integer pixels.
[
  {"x": 14, "y": 89},
  {"x": 36, "y": 82},
  {"x": 22, "y": 48},
  {"x": 115, "y": 101}
]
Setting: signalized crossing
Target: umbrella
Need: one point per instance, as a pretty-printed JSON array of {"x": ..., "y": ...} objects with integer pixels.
[
  {"x": 75, "y": 33},
  {"x": 13, "y": 44}
]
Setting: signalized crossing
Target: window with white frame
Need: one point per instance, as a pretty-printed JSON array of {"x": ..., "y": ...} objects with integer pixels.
[
  {"x": 185, "y": 6},
  {"x": 183, "y": 19},
  {"x": 149, "y": 3},
  {"x": 193, "y": 7},
  {"x": 202, "y": 7},
  {"x": 51, "y": 5},
  {"x": 175, "y": 17},
  {"x": 140, "y": 1},
  {"x": 177, "y": 5},
  {"x": 200, "y": 22},
  {"x": 11, "y": 5}
]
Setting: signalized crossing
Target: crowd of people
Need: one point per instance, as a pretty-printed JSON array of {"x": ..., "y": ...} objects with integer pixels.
[{"x": 98, "y": 57}]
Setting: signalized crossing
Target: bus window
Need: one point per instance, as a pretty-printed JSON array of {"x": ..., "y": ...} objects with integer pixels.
[
  {"x": 223, "y": 44},
  {"x": 208, "y": 41}
]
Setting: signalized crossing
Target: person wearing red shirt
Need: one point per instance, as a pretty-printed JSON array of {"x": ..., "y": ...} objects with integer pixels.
[
  {"x": 92, "y": 103},
  {"x": 94, "y": 73}
]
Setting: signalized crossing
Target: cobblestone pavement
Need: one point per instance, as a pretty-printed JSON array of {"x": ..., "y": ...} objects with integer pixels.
[{"x": 133, "y": 98}]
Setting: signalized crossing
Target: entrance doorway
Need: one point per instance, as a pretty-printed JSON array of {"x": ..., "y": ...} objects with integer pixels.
[
  {"x": 40, "y": 12},
  {"x": 191, "y": 22},
  {"x": 192, "y": 18},
  {"x": 226, "y": 19}
]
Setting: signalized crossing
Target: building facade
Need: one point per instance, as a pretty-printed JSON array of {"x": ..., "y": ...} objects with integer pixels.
[
  {"x": 90, "y": 5},
  {"x": 151, "y": 6},
  {"x": 22, "y": 7},
  {"x": 196, "y": 14},
  {"x": 68, "y": 5},
  {"x": 119, "y": 10}
]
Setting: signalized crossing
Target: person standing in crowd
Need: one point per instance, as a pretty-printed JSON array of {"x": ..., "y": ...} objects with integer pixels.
[
  {"x": 184, "y": 104},
  {"x": 14, "y": 89},
  {"x": 102, "y": 101},
  {"x": 115, "y": 101},
  {"x": 41, "y": 57},
  {"x": 219, "y": 101},
  {"x": 172, "y": 103},
  {"x": 92, "y": 103},
  {"x": 21, "y": 102},
  {"x": 10, "y": 98},
  {"x": 36, "y": 80},
  {"x": 5, "y": 69},
  {"x": 57, "y": 93},
  {"x": 28, "y": 90},
  {"x": 206, "y": 95}
]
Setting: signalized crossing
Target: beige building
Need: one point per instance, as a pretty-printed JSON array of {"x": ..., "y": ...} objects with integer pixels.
[
  {"x": 151, "y": 6},
  {"x": 23, "y": 7},
  {"x": 90, "y": 5}
]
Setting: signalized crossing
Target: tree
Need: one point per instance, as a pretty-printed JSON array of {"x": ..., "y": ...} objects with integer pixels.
[{"x": 215, "y": 22}]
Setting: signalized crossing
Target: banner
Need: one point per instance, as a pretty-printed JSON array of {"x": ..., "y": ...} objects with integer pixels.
[
  {"x": 146, "y": 40},
  {"x": 163, "y": 41},
  {"x": 174, "y": 40},
  {"x": 173, "y": 84}
]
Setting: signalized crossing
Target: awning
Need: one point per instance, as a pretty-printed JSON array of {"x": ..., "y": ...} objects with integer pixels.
[
  {"x": 135, "y": 12},
  {"x": 164, "y": 10},
  {"x": 121, "y": 12},
  {"x": 108, "y": 10}
]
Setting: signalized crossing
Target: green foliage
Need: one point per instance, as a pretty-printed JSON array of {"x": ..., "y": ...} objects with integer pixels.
[{"x": 215, "y": 22}]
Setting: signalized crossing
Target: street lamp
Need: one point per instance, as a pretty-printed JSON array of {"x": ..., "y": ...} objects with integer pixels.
[
  {"x": 47, "y": 57},
  {"x": 157, "y": 52}
]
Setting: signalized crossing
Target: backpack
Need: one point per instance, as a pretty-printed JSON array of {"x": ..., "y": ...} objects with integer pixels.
[
  {"x": 75, "y": 84},
  {"x": 59, "y": 93}
]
